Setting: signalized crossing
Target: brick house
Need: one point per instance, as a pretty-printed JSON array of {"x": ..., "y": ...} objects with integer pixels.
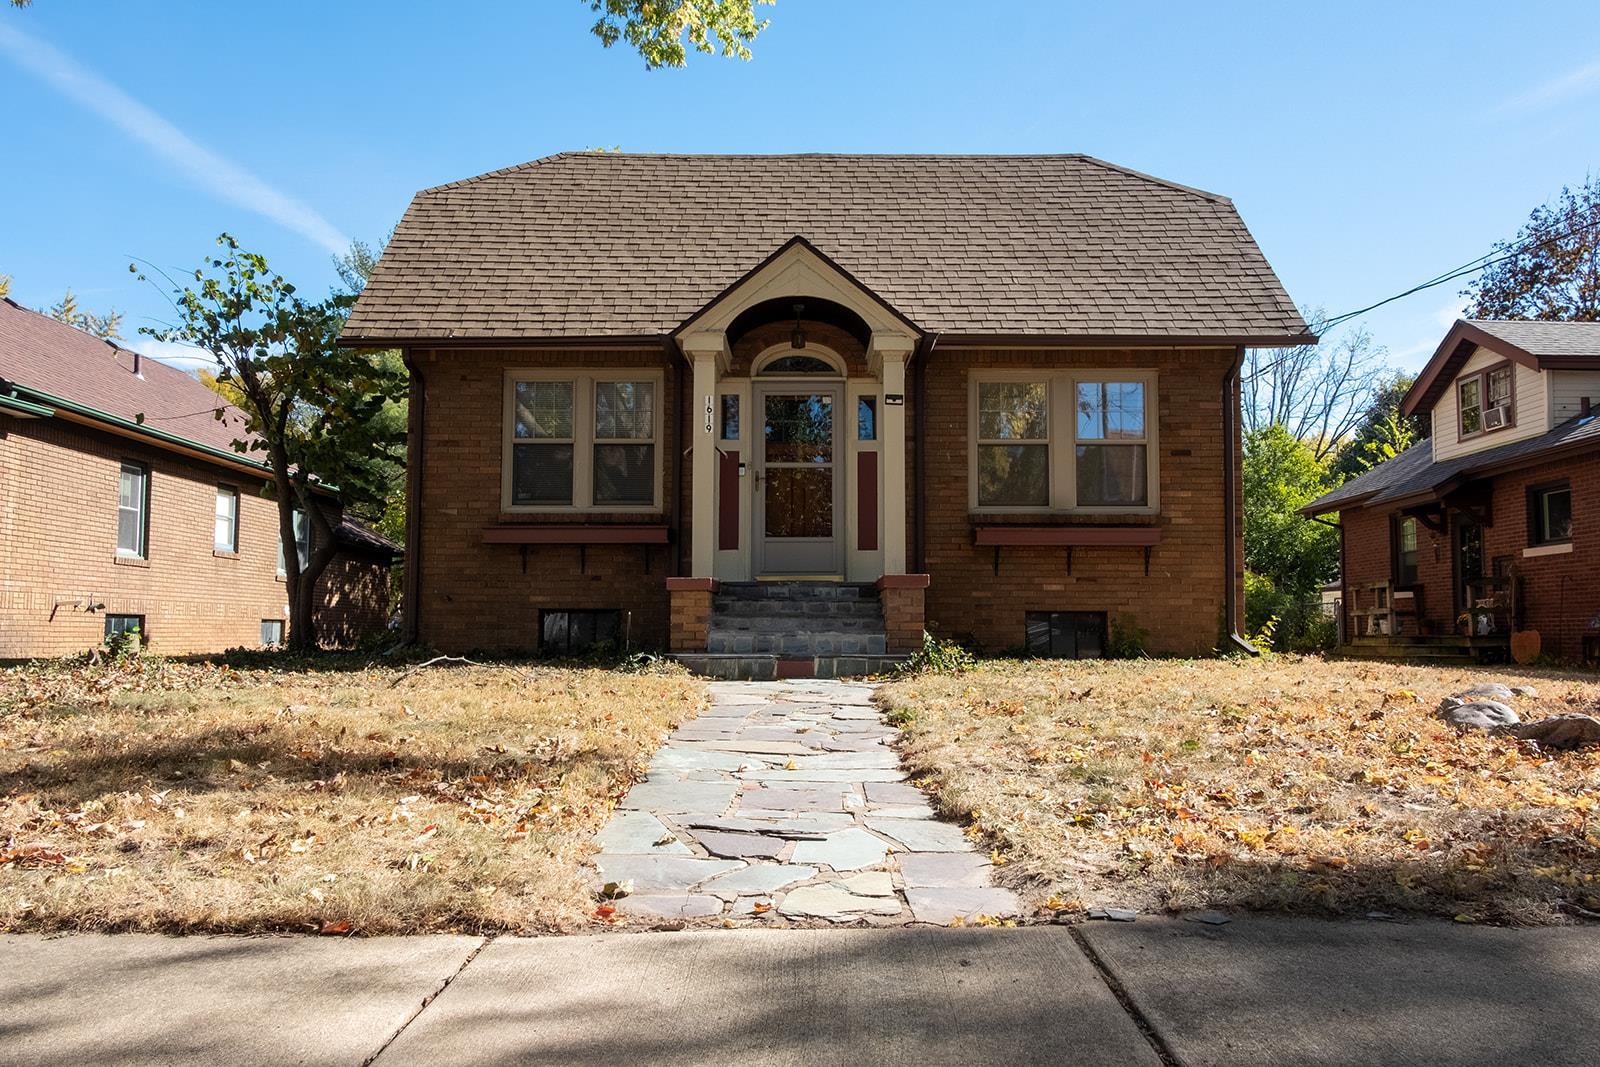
[
  {"x": 1488, "y": 527},
  {"x": 791, "y": 410},
  {"x": 113, "y": 470}
]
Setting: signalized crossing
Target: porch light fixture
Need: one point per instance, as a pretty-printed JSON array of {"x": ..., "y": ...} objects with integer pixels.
[{"x": 797, "y": 339}]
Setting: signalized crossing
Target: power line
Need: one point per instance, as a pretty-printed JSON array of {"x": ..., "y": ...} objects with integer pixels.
[{"x": 1483, "y": 262}]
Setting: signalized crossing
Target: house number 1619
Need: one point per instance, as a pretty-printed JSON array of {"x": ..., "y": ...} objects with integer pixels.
[{"x": 710, "y": 410}]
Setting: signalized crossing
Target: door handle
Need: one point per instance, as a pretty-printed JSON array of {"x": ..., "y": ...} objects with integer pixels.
[{"x": 757, "y": 478}]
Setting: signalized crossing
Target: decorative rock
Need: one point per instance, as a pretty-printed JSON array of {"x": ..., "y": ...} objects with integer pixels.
[
  {"x": 919, "y": 835},
  {"x": 1210, "y": 918},
  {"x": 833, "y": 903},
  {"x": 1557, "y": 731},
  {"x": 741, "y": 846},
  {"x": 758, "y": 880},
  {"x": 1116, "y": 915},
  {"x": 1524, "y": 691},
  {"x": 638, "y": 832},
  {"x": 1489, "y": 690},
  {"x": 846, "y": 850},
  {"x": 1479, "y": 715},
  {"x": 671, "y": 906},
  {"x": 941, "y": 905}
]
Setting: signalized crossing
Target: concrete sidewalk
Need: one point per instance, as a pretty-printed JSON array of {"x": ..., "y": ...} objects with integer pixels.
[{"x": 1257, "y": 991}]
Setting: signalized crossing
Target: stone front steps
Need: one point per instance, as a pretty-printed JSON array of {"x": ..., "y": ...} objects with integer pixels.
[{"x": 762, "y": 631}]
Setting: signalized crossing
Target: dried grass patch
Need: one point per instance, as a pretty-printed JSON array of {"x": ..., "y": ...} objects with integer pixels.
[
  {"x": 1289, "y": 784},
  {"x": 179, "y": 797}
]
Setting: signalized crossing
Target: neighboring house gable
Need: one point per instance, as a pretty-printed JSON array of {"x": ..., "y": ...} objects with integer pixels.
[
  {"x": 1493, "y": 520},
  {"x": 126, "y": 503}
]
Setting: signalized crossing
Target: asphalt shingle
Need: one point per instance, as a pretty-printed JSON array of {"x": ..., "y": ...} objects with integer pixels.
[{"x": 606, "y": 244}]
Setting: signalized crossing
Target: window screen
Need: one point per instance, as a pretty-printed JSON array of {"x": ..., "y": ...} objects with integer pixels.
[
  {"x": 1067, "y": 634},
  {"x": 271, "y": 633}
]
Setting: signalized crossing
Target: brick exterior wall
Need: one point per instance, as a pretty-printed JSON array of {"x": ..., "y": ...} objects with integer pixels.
[
  {"x": 1179, "y": 605},
  {"x": 1560, "y": 594},
  {"x": 475, "y": 596},
  {"x": 60, "y": 575}
]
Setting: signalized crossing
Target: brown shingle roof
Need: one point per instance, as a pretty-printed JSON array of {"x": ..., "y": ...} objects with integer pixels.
[
  {"x": 40, "y": 354},
  {"x": 618, "y": 245}
]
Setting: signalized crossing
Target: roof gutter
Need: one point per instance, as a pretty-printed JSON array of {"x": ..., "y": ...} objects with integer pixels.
[
  {"x": 23, "y": 409},
  {"x": 82, "y": 413},
  {"x": 1230, "y": 508}
]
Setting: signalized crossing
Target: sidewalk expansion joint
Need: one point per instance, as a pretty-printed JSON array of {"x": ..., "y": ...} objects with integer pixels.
[
  {"x": 427, "y": 1000},
  {"x": 1158, "y": 1044}
]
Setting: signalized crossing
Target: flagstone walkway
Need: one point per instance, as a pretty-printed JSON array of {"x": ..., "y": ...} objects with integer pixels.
[{"x": 784, "y": 799}]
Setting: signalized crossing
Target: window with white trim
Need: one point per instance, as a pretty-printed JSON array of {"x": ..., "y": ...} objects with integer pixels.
[
  {"x": 225, "y": 536},
  {"x": 1080, "y": 440},
  {"x": 133, "y": 510},
  {"x": 582, "y": 442}
]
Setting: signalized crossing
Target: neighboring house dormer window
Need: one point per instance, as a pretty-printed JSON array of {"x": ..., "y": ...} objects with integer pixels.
[
  {"x": 133, "y": 511},
  {"x": 1484, "y": 400},
  {"x": 582, "y": 441}
]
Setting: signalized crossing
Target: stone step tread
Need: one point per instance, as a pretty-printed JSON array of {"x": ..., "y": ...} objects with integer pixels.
[
  {"x": 796, "y": 645},
  {"x": 816, "y": 624},
  {"x": 796, "y": 591},
  {"x": 797, "y": 608}
]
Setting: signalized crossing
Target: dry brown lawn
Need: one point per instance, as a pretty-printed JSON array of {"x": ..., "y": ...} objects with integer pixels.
[
  {"x": 1287, "y": 784},
  {"x": 181, "y": 797}
]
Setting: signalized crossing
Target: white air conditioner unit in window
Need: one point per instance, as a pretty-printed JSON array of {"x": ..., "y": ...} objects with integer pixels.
[{"x": 1495, "y": 418}]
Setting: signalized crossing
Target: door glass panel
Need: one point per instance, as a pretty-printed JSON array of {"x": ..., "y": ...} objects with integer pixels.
[
  {"x": 799, "y": 429},
  {"x": 799, "y": 501}
]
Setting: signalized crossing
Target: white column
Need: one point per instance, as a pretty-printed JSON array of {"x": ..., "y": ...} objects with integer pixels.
[
  {"x": 893, "y": 428},
  {"x": 705, "y": 351}
]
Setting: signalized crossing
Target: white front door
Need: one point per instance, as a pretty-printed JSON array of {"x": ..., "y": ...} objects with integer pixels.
[{"x": 799, "y": 503}]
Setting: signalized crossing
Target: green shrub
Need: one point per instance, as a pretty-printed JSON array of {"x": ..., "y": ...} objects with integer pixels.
[
  {"x": 1126, "y": 639},
  {"x": 938, "y": 657}
]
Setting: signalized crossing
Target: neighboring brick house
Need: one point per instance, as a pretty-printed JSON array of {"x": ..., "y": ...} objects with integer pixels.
[
  {"x": 1491, "y": 526},
  {"x": 123, "y": 503},
  {"x": 789, "y": 410}
]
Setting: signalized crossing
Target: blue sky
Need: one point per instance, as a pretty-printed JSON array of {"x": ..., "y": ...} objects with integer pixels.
[{"x": 1369, "y": 146}]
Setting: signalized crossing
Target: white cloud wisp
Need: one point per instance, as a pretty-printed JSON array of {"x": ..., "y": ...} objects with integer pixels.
[{"x": 226, "y": 180}]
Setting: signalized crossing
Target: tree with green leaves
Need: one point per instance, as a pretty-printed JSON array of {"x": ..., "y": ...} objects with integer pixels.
[
  {"x": 657, "y": 29},
  {"x": 1287, "y": 555},
  {"x": 354, "y": 269},
  {"x": 1385, "y": 431},
  {"x": 315, "y": 410},
  {"x": 1551, "y": 269}
]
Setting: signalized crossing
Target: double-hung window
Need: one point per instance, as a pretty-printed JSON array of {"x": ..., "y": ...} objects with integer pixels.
[
  {"x": 583, "y": 442},
  {"x": 225, "y": 537},
  {"x": 1484, "y": 400},
  {"x": 1550, "y": 514},
  {"x": 1405, "y": 551},
  {"x": 1078, "y": 440},
  {"x": 133, "y": 511},
  {"x": 302, "y": 542}
]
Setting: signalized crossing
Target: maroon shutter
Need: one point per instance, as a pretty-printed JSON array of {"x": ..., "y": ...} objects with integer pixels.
[
  {"x": 867, "y": 501},
  {"x": 728, "y": 500}
]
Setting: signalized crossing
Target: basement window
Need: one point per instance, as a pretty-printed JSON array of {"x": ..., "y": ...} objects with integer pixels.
[
  {"x": 569, "y": 632},
  {"x": 125, "y": 628},
  {"x": 1066, "y": 634},
  {"x": 271, "y": 633}
]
